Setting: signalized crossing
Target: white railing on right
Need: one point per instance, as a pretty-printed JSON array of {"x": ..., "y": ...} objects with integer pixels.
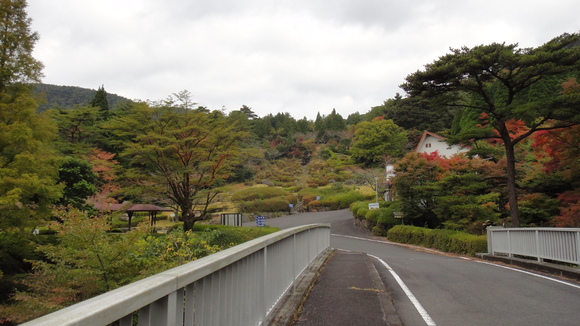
[{"x": 554, "y": 244}]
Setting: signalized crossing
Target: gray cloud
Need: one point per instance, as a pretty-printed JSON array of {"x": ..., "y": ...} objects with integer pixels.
[{"x": 297, "y": 56}]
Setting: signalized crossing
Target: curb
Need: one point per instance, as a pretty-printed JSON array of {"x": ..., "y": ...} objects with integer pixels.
[
  {"x": 386, "y": 301},
  {"x": 285, "y": 311}
]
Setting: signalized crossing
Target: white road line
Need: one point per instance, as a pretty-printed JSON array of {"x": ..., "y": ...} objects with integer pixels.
[
  {"x": 409, "y": 294},
  {"x": 475, "y": 261},
  {"x": 530, "y": 273}
]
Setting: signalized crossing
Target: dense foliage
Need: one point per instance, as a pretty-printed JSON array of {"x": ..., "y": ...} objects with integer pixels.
[
  {"x": 444, "y": 240},
  {"x": 506, "y": 85}
]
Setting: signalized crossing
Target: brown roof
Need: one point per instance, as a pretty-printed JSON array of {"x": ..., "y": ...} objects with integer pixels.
[
  {"x": 148, "y": 208},
  {"x": 131, "y": 207},
  {"x": 425, "y": 135}
]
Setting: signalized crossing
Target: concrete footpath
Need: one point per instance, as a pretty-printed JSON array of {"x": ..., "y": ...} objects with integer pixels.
[{"x": 347, "y": 291}]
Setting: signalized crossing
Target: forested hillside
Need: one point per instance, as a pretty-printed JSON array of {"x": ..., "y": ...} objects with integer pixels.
[{"x": 54, "y": 96}]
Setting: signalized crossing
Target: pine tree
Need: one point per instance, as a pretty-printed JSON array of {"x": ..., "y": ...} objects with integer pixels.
[{"x": 100, "y": 101}]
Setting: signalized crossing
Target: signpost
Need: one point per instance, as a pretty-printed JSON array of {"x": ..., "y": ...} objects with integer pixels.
[
  {"x": 373, "y": 205},
  {"x": 260, "y": 221}
]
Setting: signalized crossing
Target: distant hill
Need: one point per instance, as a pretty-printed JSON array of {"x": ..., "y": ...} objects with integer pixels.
[{"x": 66, "y": 97}]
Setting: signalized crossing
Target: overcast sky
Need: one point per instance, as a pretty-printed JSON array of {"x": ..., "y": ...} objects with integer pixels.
[{"x": 295, "y": 56}]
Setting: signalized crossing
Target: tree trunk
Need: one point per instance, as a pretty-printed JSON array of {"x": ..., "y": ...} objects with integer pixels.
[
  {"x": 511, "y": 181},
  {"x": 188, "y": 220}
]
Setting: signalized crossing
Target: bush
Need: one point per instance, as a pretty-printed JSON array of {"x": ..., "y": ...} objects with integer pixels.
[
  {"x": 15, "y": 249},
  {"x": 337, "y": 201},
  {"x": 379, "y": 220},
  {"x": 444, "y": 240},
  {"x": 231, "y": 235},
  {"x": 278, "y": 204},
  {"x": 259, "y": 193}
]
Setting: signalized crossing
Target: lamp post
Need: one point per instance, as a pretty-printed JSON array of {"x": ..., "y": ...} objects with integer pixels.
[
  {"x": 376, "y": 189},
  {"x": 390, "y": 174}
]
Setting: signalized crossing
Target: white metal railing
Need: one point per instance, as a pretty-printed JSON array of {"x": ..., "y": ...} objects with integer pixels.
[
  {"x": 237, "y": 286},
  {"x": 556, "y": 244}
]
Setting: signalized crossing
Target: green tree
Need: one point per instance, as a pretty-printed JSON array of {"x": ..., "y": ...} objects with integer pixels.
[
  {"x": 414, "y": 188},
  {"x": 80, "y": 182},
  {"x": 187, "y": 153},
  {"x": 498, "y": 80},
  {"x": 304, "y": 125},
  {"x": 417, "y": 113},
  {"x": 335, "y": 122},
  {"x": 27, "y": 163},
  {"x": 248, "y": 112},
  {"x": 77, "y": 128},
  {"x": 84, "y": 262},
  {"x": 17, "y": 65},
  {"x": 375, "y": 140},
  {"x": 100, "y": 101}
]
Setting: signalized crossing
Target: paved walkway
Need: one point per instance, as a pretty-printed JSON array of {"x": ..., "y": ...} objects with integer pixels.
[{"x": 349, "y": 292}]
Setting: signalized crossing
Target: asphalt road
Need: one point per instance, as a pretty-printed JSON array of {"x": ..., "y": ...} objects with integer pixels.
[{"x": 431, "y": 288}]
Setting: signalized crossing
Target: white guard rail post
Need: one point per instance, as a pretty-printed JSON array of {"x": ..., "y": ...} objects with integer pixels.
[
  {"x": 555, "y": 244},
  {"x": 237, "y": 286}
]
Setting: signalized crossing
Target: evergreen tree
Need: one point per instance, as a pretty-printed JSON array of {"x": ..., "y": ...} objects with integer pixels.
[
  {"x": 335, "y": 122},
  {"x": 100, "y": 101},
  {"x": 502, "y": 83}
]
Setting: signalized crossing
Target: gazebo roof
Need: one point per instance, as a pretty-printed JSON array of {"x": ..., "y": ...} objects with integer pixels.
[
  {"x": 147, "y": 208},
  {"x": 128, "y": 207}
]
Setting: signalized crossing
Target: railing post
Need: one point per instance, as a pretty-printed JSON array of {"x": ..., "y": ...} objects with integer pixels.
[
  {"x": 509, "y": 241},
  {"x": 145, "y": 316},
  {"x": 489, "y": 241},
  {"x": 538, "y": 253},
  {"x": 578, "y": 248},
  {"x": 263, "y": 304},
  {"x": 294, "y": 258}
]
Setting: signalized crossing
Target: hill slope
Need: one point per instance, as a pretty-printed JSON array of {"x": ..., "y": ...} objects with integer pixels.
[{"x": 68, "y": 96}]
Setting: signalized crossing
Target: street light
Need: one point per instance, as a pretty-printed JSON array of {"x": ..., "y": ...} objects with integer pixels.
[
  {"x": 376, "y": 189},
  {"x": 390, "y": 174}
]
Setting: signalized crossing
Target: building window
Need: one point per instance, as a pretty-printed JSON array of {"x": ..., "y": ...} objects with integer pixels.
[{"x": 428, "y": 145}]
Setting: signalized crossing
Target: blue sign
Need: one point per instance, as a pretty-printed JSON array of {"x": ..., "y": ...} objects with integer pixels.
[{"x": 260, "y": 221}]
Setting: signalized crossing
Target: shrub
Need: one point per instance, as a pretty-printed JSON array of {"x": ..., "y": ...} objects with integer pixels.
[
  {"x": 444, "y": 240},
  {"x": 278, "y": 204},
  {"x": 259, "y": 193},
  {"x": 231, "y": 235},
  {"x": 379, "y": 220}
]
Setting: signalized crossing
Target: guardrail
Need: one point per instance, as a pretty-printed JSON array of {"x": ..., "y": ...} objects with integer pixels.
[
  {"x": 555, "y": 244},
  {"x": 237, "y": 286}
]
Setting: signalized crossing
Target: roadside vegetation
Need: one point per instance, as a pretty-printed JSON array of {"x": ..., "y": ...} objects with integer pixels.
[{"x": 515, "y": 110}]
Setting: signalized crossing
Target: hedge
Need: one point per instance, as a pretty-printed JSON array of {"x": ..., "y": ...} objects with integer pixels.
[
  {"x": 378, "y": 220},
  {"x": 277, "y": 204},
  {"x": 232, "y": 235},
  {"x": 336, "y": 201},
  {"x": 255, "y": 193},
  {"x": 444, "y": 240}
]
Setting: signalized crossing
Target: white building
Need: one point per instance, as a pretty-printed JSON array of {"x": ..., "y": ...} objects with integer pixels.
[{"x": 431, "y": 142}]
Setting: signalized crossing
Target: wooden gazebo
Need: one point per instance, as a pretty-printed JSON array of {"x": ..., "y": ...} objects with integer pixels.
[{"x": 132, "y": 208}]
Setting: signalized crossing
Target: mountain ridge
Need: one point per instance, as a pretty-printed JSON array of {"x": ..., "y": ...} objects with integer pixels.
[{"x": 66, "y": 97}]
